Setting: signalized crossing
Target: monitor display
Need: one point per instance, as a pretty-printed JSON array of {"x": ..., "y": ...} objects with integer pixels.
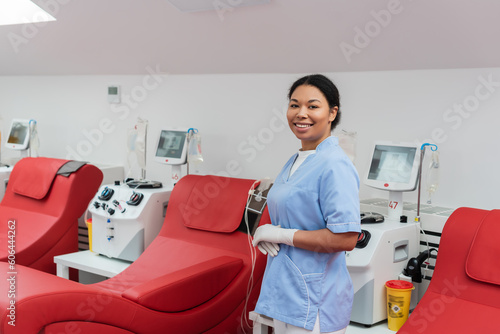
[
  {"x": 19, "y": 135},
  {"x": 393, "y": 167},
  {"x": 172, "y": 147}
]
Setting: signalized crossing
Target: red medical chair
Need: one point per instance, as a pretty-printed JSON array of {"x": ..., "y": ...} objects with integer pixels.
[
  {"x": 39, "y": 212},
  {"x": 464, "y": 293},
  {"x": 199, "y": 275}
]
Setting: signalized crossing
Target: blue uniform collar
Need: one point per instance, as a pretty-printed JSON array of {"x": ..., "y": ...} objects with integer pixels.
[{"x": 328, "y": 142}]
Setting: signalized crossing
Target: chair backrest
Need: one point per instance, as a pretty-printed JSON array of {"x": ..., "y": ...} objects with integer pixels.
[
  {"x": 51, "y": 187},
  {"x": 206, "y": 209},
  {"x": 468, "y": 262}
]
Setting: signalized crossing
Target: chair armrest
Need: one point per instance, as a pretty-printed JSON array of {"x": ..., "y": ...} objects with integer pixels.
[{"x": 186, "y": 288}]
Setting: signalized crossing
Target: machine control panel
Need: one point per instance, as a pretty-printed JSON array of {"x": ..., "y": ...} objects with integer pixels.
[
  {"x": 125, "y": 220},
  {"x": 119, "y": 199}
]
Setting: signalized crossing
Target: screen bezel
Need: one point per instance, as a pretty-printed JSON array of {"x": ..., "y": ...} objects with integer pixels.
[
  {"x": 172, "y": 160},
  {"x": 394, "y": 185},
  {"x": 18, "y": 146}
]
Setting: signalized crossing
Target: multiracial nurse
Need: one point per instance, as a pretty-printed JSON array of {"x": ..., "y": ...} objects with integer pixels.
[{"x": 314, "y": 209}]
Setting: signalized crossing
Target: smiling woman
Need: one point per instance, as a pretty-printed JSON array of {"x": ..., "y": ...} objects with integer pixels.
[{"x": 314, "y": 210}]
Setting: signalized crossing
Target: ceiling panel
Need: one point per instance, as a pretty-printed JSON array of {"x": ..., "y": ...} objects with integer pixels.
[{"x": 95, "y": 37}]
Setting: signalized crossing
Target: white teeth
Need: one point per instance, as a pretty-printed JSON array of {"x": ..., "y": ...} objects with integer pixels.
[{"x": 303, "y": 125}]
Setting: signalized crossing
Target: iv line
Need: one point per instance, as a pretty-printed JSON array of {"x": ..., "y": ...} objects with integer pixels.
[{"x": 422, "y": 152}]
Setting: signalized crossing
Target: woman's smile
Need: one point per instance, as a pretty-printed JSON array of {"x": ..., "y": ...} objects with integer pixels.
[{"x": 303, "y": 127}]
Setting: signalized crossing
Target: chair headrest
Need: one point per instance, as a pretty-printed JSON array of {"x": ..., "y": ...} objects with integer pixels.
[
  {"x": 482, "y": 260},
  {"x": 214, "y": 203},
  {"x": 33, "y": 177}
]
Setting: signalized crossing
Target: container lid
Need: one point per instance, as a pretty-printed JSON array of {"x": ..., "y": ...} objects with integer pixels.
[{"x": 399, "y": 284}]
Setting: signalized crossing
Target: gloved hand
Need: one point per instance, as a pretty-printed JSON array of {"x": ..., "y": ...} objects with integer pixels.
[
  {"x": 270, "y": 248},
  {"x": 273, "y": 234}
]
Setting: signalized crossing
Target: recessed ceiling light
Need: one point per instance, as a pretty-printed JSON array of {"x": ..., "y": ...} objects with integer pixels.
[
  {"x": 22, "y": 11},
  {"x": 204, "y": 5}
]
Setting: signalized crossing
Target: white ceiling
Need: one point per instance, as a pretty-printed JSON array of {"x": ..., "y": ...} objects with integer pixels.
[{"x": 285, "y": 36}]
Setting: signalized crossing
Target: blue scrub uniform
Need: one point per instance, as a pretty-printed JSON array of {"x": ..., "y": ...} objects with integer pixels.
[{"x": 322, "y": 193}]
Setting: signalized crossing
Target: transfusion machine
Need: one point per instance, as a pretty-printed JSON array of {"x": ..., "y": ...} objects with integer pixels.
[
  {"x": 385, "y": 244},
  {"x": 386, "y": 248},
  {"x": 126, "y": 218}
]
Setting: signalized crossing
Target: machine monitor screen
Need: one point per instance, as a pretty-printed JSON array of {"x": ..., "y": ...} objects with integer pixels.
[
  {"x": 172, "y": 147},
  {"x": 19, "y": 135},
  {"x": 394, "y": 167}
]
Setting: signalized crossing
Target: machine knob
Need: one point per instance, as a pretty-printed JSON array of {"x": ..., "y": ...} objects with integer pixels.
[
  {"x": 111, "y": 211},
  {"x": 119, "y": 206},
  {"x": 96, "y": 205},
  {"x": 106, "y": 194},
  {"x": 135, "y": 199},
  {"x": 363, "y": 238}
]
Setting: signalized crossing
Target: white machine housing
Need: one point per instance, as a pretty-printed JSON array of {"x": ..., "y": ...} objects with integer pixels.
[
  {"x": 4, "y": 178},
  {"x": 124, "y": 225},
  {"x": 385, "y": 256}
]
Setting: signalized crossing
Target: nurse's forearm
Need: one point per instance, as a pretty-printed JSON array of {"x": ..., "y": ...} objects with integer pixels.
[{"x": 325, "y": 241}]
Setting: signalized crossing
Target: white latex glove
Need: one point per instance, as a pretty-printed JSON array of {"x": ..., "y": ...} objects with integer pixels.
[
  {"x": 274, "y": 234},
  {"x": 270, "y": 248}
]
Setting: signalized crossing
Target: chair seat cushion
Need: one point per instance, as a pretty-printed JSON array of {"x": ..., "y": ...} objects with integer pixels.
[
  {"x": 17, "y": 229},
  {"x": 484, "y": 254},
  {"x": 188, "y": 287}
]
